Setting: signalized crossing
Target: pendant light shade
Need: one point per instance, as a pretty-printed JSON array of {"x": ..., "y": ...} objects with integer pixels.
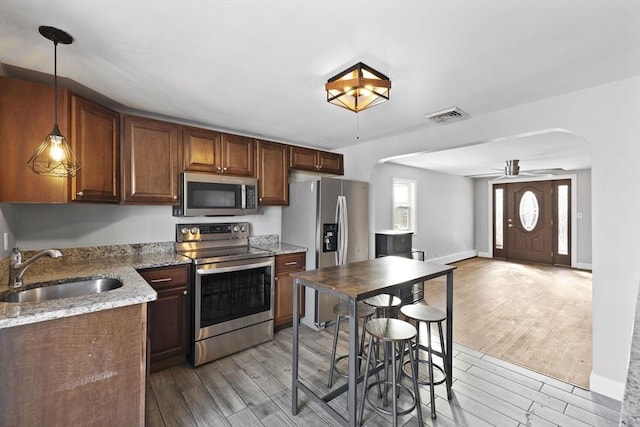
[
  {"x": 358, "y": 88},
  {"x": 54, "y": 156}
]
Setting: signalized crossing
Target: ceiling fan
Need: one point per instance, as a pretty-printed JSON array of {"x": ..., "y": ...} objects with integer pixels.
[{"x": 512, "y": 170}]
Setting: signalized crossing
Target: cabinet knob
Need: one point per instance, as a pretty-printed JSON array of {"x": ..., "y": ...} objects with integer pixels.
[
  {"x": 275, "y": 278},
  {"x": 224, "y": 169},
  {"x": 175, "y": 197},
  {"x": 80, "y": 194},
  {"x": 218, "y": 168},
  {"x": 184, "y": 292},
  {"x": 260, "y": 199}
]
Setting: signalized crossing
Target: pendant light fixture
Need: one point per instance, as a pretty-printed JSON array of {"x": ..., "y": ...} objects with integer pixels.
[
  {"x": 358, "y": 88},
  {"x": 54, "y": 156}
]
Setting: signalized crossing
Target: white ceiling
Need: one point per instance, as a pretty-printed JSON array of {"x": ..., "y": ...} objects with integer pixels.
[{"x": 259, "y": 67}]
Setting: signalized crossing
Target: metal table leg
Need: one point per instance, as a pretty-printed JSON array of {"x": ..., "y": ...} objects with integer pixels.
[
  {"x": 294, "y": 369},
  {"x": 353, "y": 362},
  {"x": 449, "y": 361}
]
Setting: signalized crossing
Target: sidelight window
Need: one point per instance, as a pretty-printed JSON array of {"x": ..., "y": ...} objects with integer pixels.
[
  {"x": 498, "y": 201},
  {"x": 563, "y": 219}
]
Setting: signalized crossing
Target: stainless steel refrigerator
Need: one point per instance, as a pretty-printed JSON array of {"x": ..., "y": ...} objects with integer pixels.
[{"x": 330, "y": 217}]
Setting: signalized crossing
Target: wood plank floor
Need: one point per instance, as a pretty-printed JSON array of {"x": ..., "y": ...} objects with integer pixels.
[
  {"x": 253, "y": 388},
  {"x": 533, "y": 315}
]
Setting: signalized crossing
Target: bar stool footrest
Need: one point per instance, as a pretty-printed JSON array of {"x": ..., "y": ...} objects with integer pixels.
[
  {"x": 438, "y": 372},
  {"x": 381, "y": 409}
]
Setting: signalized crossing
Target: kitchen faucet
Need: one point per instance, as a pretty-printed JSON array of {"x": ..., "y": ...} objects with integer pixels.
[{"x": 17, "y": 267}]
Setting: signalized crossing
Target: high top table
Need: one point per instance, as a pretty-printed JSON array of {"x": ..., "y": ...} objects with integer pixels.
[{"x": 354, "y": 282}]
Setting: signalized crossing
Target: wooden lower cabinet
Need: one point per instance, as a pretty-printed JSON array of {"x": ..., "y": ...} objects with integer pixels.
[
  {"x": 80, "y": 370},
  {"x": 168, "y": 316},
  {"x": 285, "y": 265}
]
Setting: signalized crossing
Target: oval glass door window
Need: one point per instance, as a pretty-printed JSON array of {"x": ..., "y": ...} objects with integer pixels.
[{"x": 529, "y": 209}]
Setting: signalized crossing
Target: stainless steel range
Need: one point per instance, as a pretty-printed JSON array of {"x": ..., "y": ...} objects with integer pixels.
[{"x": 233, "y": 295}]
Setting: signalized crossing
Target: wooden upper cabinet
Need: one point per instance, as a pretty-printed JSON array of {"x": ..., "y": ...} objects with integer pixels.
[
  {"x": 307, "y": 159},
  {"x": 210, "y": 151},
  {"x": 26, "y": 118},
  {"x": 273, "y": 173},
  {"x": 201, "y": 149},
  {"x": 150, "y": 154},
  {"x": 238, "y": 155},
  {"x": 95, "y": 136}
]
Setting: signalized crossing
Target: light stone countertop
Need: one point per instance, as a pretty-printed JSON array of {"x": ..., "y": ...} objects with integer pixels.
[
  {"x": 118, "y": 262},
  {"x": 280, "y": 248},
  {"x": 630, "y": 414}
]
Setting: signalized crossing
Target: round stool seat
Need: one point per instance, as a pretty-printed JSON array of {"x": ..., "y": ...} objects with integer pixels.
[
  {"x": 364, "y": 310},
  {"x": 391, "y": 329},
  {"x": 423, "y": 313},
  {"x": 383, "y": 301}
]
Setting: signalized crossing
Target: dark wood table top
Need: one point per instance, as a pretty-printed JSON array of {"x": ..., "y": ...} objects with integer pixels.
[{"x": 362, "y": 279}]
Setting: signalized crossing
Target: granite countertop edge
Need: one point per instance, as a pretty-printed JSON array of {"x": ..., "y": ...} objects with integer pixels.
[
  {"x": 135, "y": 289},
  {"x": 280, "y": 248},
  {"x": 630, "y": 413}
]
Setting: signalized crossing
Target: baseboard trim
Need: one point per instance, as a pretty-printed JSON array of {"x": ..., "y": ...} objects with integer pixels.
[
  {"x": 484, "y": 255},
  {"x": 454, "y": 257},
  {"x": 606, "y": 386},
  {"x": 584, "y": 266}
]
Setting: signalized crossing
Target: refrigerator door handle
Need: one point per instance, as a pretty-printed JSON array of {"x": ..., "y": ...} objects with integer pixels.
[{"x": 343, "y": 224}]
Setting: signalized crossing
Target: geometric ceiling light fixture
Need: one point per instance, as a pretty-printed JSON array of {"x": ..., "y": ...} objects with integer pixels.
[
  {"x": 54, "y": 156},
  {"x": 358, "y": 88}
]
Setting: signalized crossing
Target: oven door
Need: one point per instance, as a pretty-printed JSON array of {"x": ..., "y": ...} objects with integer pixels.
[{"x": 232, "y": 295}]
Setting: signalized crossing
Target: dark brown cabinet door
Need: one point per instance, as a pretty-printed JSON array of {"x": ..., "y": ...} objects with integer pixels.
[
  {"x": 149, "y": 161},
  {"x": 26, "y": 117},
  {"x": 95, "y": 136},
  {"x": 238, "y": 155},
  {"x": 306, "y": 159},
  {"x": 303, "y": 159},
  {"x": 330, "y": 163},
  {"x": 202, "y": 150},
  {"x": 283, "y": 304},
  {"x": 168, "y": 316},
  {"x": 273, "y": 174}
]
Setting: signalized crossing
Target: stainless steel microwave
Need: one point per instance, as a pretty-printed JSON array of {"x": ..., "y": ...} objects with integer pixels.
[{"x": 203, "y": 194}]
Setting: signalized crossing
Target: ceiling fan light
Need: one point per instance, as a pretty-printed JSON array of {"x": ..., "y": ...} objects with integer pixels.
[
  {"x": 512, "y": 168},
  {"x": 358, "y": 88}
]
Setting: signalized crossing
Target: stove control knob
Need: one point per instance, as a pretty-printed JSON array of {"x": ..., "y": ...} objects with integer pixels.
[
  {"x": 184, "y": 230},
  {"x": 236, "y": 228},
  {"x": 243, "y": 228},
  {"x": 194, "y": 230}
]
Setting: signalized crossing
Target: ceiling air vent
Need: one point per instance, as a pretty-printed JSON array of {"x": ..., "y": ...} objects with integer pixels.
[{"x": 446, "y": 116}]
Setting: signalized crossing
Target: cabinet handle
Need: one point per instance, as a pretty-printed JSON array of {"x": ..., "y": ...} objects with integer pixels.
[
  {"x": 184, "y": 292},
  {"x": 165, "y": 279},
  {"x": 80, "y": 193},
  {"x": 291, "y": 263}
]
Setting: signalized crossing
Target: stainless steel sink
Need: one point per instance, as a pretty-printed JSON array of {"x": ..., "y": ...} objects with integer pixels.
[{"x": 63, "y": 290}]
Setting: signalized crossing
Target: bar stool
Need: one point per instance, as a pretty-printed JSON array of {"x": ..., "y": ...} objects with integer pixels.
[
  {"x": 386, "y": 305},
  {"x": 392, "y": 332},
  {"x": 428, "y": 314},
  {"x": 342, "y": 312}
]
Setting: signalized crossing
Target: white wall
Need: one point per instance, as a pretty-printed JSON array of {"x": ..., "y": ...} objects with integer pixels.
[
  {"x": 39, "y": 226},
  {"x": 444, "y": 209},
  {"x": 583, "y": 225},
  {"x": 606, "y": 117},
  {"x": 7, "y": 218}
]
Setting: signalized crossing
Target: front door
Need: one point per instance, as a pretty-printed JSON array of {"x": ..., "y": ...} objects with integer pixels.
[{"x": 531, "y": 221}]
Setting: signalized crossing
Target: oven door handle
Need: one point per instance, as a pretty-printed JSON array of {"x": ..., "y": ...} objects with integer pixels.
[{"x": 211, "y": 269}]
